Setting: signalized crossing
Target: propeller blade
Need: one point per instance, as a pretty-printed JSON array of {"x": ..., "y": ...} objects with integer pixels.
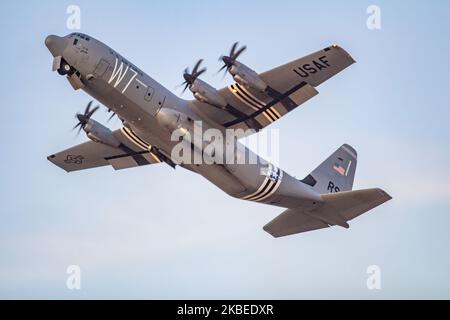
[
  {"x": 225, "y": 72},
  {"x": 199, "y": 73},
  {"x": 230, "y": 60},
  {"x": 191, "y": 77},
  {"x": 78, "y": 124},
  {"x": 185, "y": 87},
  {"x": 86, "y": 111},
  {"x": 238, "y": 53},
  {"x": 197, "y": 65},
  {"x": 112, "y": 116},
  {"x": 223, "y": 67},
  {"x": 84, "y": 118},
  {"x": 91, "y": 112},
  {"x": 233, "y": 48}
]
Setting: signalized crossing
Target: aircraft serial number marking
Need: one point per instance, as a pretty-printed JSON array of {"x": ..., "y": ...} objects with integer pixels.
[
  {"x": 332, "y": 187},
  {"x": 74, "y": 159}
]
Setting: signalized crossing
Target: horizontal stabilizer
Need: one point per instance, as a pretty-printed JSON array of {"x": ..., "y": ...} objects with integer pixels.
[
  {"x": 337, "y": 209},
  {"x": 351, "y": 204},
  {"x": 293, "y": 221}
]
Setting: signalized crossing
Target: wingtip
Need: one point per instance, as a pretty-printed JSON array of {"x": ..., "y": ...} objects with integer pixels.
[
  {"x": 388, "y": 196},
  {"x": 267, "y": 229},
  {"x": 336, "y": 46},
  {"x": 385, "y": 195},
  {"x": 51, "y": 158}
]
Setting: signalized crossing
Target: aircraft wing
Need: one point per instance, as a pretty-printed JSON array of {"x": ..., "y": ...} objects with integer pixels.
[
  {"x": 132, "y": 152},
  {"x": 290, "y": 85}
]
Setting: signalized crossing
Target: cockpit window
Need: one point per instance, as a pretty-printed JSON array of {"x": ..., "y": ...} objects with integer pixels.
[{"x": 80, "y": 35}]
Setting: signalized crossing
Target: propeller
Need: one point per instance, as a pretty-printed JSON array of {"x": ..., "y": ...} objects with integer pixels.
[
  {"x": 190, "y": 77},
  {"x": 231, "y": 59},
  {"x": 112, "y": 115},
  {"x": 84, "y": 118}
]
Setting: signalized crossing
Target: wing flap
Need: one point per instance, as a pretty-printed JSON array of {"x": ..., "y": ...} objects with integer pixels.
[
  {"x": 281, "y": 104},
  {"x": 301, "y": 96},
  {"x": 123, "y": 163}
]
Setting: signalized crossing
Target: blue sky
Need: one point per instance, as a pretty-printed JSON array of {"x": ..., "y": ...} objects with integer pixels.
[{"x": 152, "y": 232}]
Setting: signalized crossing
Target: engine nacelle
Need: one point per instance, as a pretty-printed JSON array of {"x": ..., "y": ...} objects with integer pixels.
[
  {"x": 101, "y": 134},
  {"x": 203, "y": 92},
  {"x": 190, "y": 131},
  {"x": 247, "y": 77},
  {"x": 172, "y": 119}
]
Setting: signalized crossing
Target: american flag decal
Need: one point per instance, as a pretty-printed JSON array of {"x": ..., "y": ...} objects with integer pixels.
[{"x": 339, "y": 169}]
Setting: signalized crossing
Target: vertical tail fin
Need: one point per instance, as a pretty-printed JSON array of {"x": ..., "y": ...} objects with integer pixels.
[{"x": 336, "y": 173}]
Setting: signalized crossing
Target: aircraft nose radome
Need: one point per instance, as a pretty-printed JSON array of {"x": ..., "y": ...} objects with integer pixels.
[
  {"x": 48, "y": 40},
  {"x": 55, "y": 44}
]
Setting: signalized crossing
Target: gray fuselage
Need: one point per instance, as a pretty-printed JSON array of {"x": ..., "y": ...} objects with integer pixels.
[{"x": 140, "y": 102}]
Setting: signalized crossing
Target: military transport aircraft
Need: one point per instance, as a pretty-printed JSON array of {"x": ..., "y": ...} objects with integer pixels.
[{"x": 150, "y": 113}]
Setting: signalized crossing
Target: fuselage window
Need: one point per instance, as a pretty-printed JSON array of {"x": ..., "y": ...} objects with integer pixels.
[{"x": 75, "y": 41}]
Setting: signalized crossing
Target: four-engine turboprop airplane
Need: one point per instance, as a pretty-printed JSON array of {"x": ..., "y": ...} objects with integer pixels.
[{"x": 150, "y": 113}]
